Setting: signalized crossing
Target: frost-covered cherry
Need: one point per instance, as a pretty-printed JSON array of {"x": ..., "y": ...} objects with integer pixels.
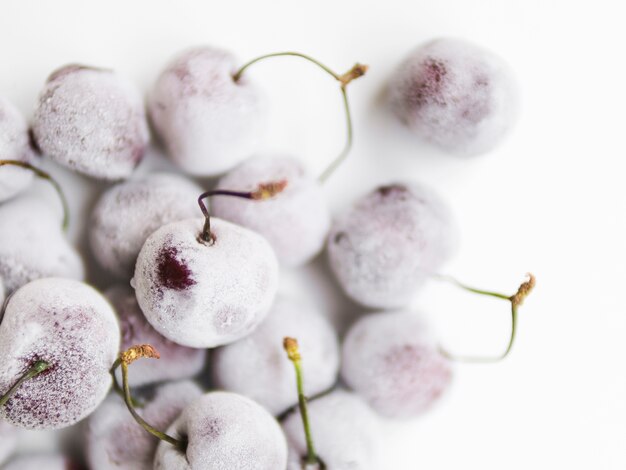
[
  {"x": 92, "y": 121},
  {"x": 456, "y": 95},
  {"x": 32, "y": 244},
  {"x": 208, "y": 121},
  {"x": 2, "y": 293},
  {"x": 40, "y": 462},
  {"x": 177, "y": 362},
  {"x": 8, "y": 440},
  {"x": 115, "y": 441},
  {"x": 14, "y": 145},
  {"x": 295, "y": 222},
  {"x": 344, "y": 429},
  {"x": 392, "y": 239},
  {"x": 129, "y": 212},
  {"x": 223, "y": 430},
  {"x": 205, "y": 292},
  {"x": 58, "y": 340},
  {"x": 393, "y": 362},
  {"x": 256, "y": 365}
]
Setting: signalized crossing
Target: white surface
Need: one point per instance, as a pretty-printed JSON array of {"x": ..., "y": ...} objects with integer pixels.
[{"x": 550, "y": 199}]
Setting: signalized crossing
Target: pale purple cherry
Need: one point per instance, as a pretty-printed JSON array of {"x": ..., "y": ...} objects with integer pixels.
[
  {"x": 92, "y": 121},
  {"x": 256, "y": 366},
  {"x": 345, "y": 430},
  {"x": 58, "y": 340},
  {"x": 295, "y": 222},
  {"x": 205, "y": 288},
  {"x": 32, "y": 244},
  {"x": 392, "y": 360},
  {"x": 8, "y": 440},
  {"x": 178, "y": 362},
  {"x": 52, "y": 461},
  {"x": 208, "y": 121},
  {"x": 14, "y": 145},
  {"x": 115, "y": 441},
  {"x": 389, "y": 242},
  {"x": 456, "y": 95},
  {"x": 129, "y": 212}
]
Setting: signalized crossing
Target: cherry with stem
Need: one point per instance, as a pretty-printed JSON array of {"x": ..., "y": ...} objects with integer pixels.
[
  {"x": 358, "y": 70},
  {"x": 46, "y": 176},
  {"x": 515, "y": 300},
  {"x": 37, "y": 368},
  {"x": 262, "y": 192},
  {"x": 293, "y": 353},
  {"x": 124, "y": 360}
]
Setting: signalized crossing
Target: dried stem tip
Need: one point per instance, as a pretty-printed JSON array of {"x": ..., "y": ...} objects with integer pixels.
[
  {"x": 358, "y": 70},
  {"x": 268, "y": 190},
  {"x": 291, "y": 347},
  {"x": 518, "y": 298},
  {"x": 137, "y": 352}
]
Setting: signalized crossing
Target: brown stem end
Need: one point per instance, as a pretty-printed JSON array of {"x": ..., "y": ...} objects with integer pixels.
[
  {"x": 518, "y": 298},
  {"x": 292, "y": 349},
  {"x": 137, "y": 352},
  {"x": 268, "y": 190},
  {"x": 358, "y": 70}
]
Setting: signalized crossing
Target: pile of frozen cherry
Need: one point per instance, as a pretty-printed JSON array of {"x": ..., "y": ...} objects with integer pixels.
[{"x": 198, "y": 271}]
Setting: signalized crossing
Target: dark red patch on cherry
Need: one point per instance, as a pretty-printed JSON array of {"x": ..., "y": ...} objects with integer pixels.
[{"x": 172, "y": 272}]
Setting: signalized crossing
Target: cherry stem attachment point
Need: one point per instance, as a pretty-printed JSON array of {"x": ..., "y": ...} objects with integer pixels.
[
  {"x": 515, "y": 300},
  {"x": 358, "y": 70},
  {"x": 125, "y": 359},
  {"x": 46, "y": 176},
  {"x": 293, "y": 353},
  {"x": 37, "y": 368},
  {"x": 263, "y": 192}
]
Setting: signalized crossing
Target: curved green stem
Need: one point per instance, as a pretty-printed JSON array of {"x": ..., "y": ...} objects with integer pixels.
[
  {"x": 46, "y": 176},
  {"x": 515, "y": 300},
  {"x": 355, "y": 72},
  {"x": 37, "y": 368}
]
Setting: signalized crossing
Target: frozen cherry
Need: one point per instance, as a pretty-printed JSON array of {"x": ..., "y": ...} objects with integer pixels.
[
  {"x": 208, "y": 121},
  {"x": 178, "y": 362},
  {"x": 14, "y": 145},
  {"x": 202, "y": 290},
  {"x": 114, "y": 441},
  {"x": 295, "y": 222},
  {"x": 456, "y": 95},
  {"x": 58, "y": 340},
  {"x": 393, "y": 362},
  {"x": 129, "y": 212},
  {"x": 32, "y": 244},
  {"x": 345, "y": 431},
  {"x": 2, "y": 293},
  {"x": 256, "y": 365},
  {"x": 40, "y": 462},
  {"x": 389, "y": 243},
  {"x": 92, "y": 121}
]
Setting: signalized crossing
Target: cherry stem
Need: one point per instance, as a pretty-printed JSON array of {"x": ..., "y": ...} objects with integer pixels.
[
  {"x": 293, "y": 353},
  {"x": 358, "y": 70},
  {"x": 37, "y": 368},
  {"x": 515, "y": 300},
  {"x": 126, "y": 358},
  {"x": 46, "y": 176},
  {"x": 262, "y": 192}
]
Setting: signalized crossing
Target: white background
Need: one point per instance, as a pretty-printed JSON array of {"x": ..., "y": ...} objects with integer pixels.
[{"x": 550, "y": 199}]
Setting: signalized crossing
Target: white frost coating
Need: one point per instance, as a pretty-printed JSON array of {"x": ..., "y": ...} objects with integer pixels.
[
  {"x": 72, "y": 327},
  {"x": 115, "y": 441},
  {"x": 39, "y": 462},
  {"x": 257, "y": 365},
  {"x": 389, "y": 242},
  {"x": 8, "y": 440},
  {"x": 456, "y": 95},
  {"x": 345, "y": 431},
  {"x": 295, "y": 222},
  {"x": 92, "y": 121},
  {"x": 392, "y": 360},
  {"x": 14, "y": 145},
  {"x": 205, "y": 296},
  {"x": 225, "y": 431},
  {"x": 208, "y": 122},
  {"x": 32, "y": 244},
  {"x": 2, "y": 293},
  {"x": 128, "y": 213},
  {"x": 177, "y": 362}
]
